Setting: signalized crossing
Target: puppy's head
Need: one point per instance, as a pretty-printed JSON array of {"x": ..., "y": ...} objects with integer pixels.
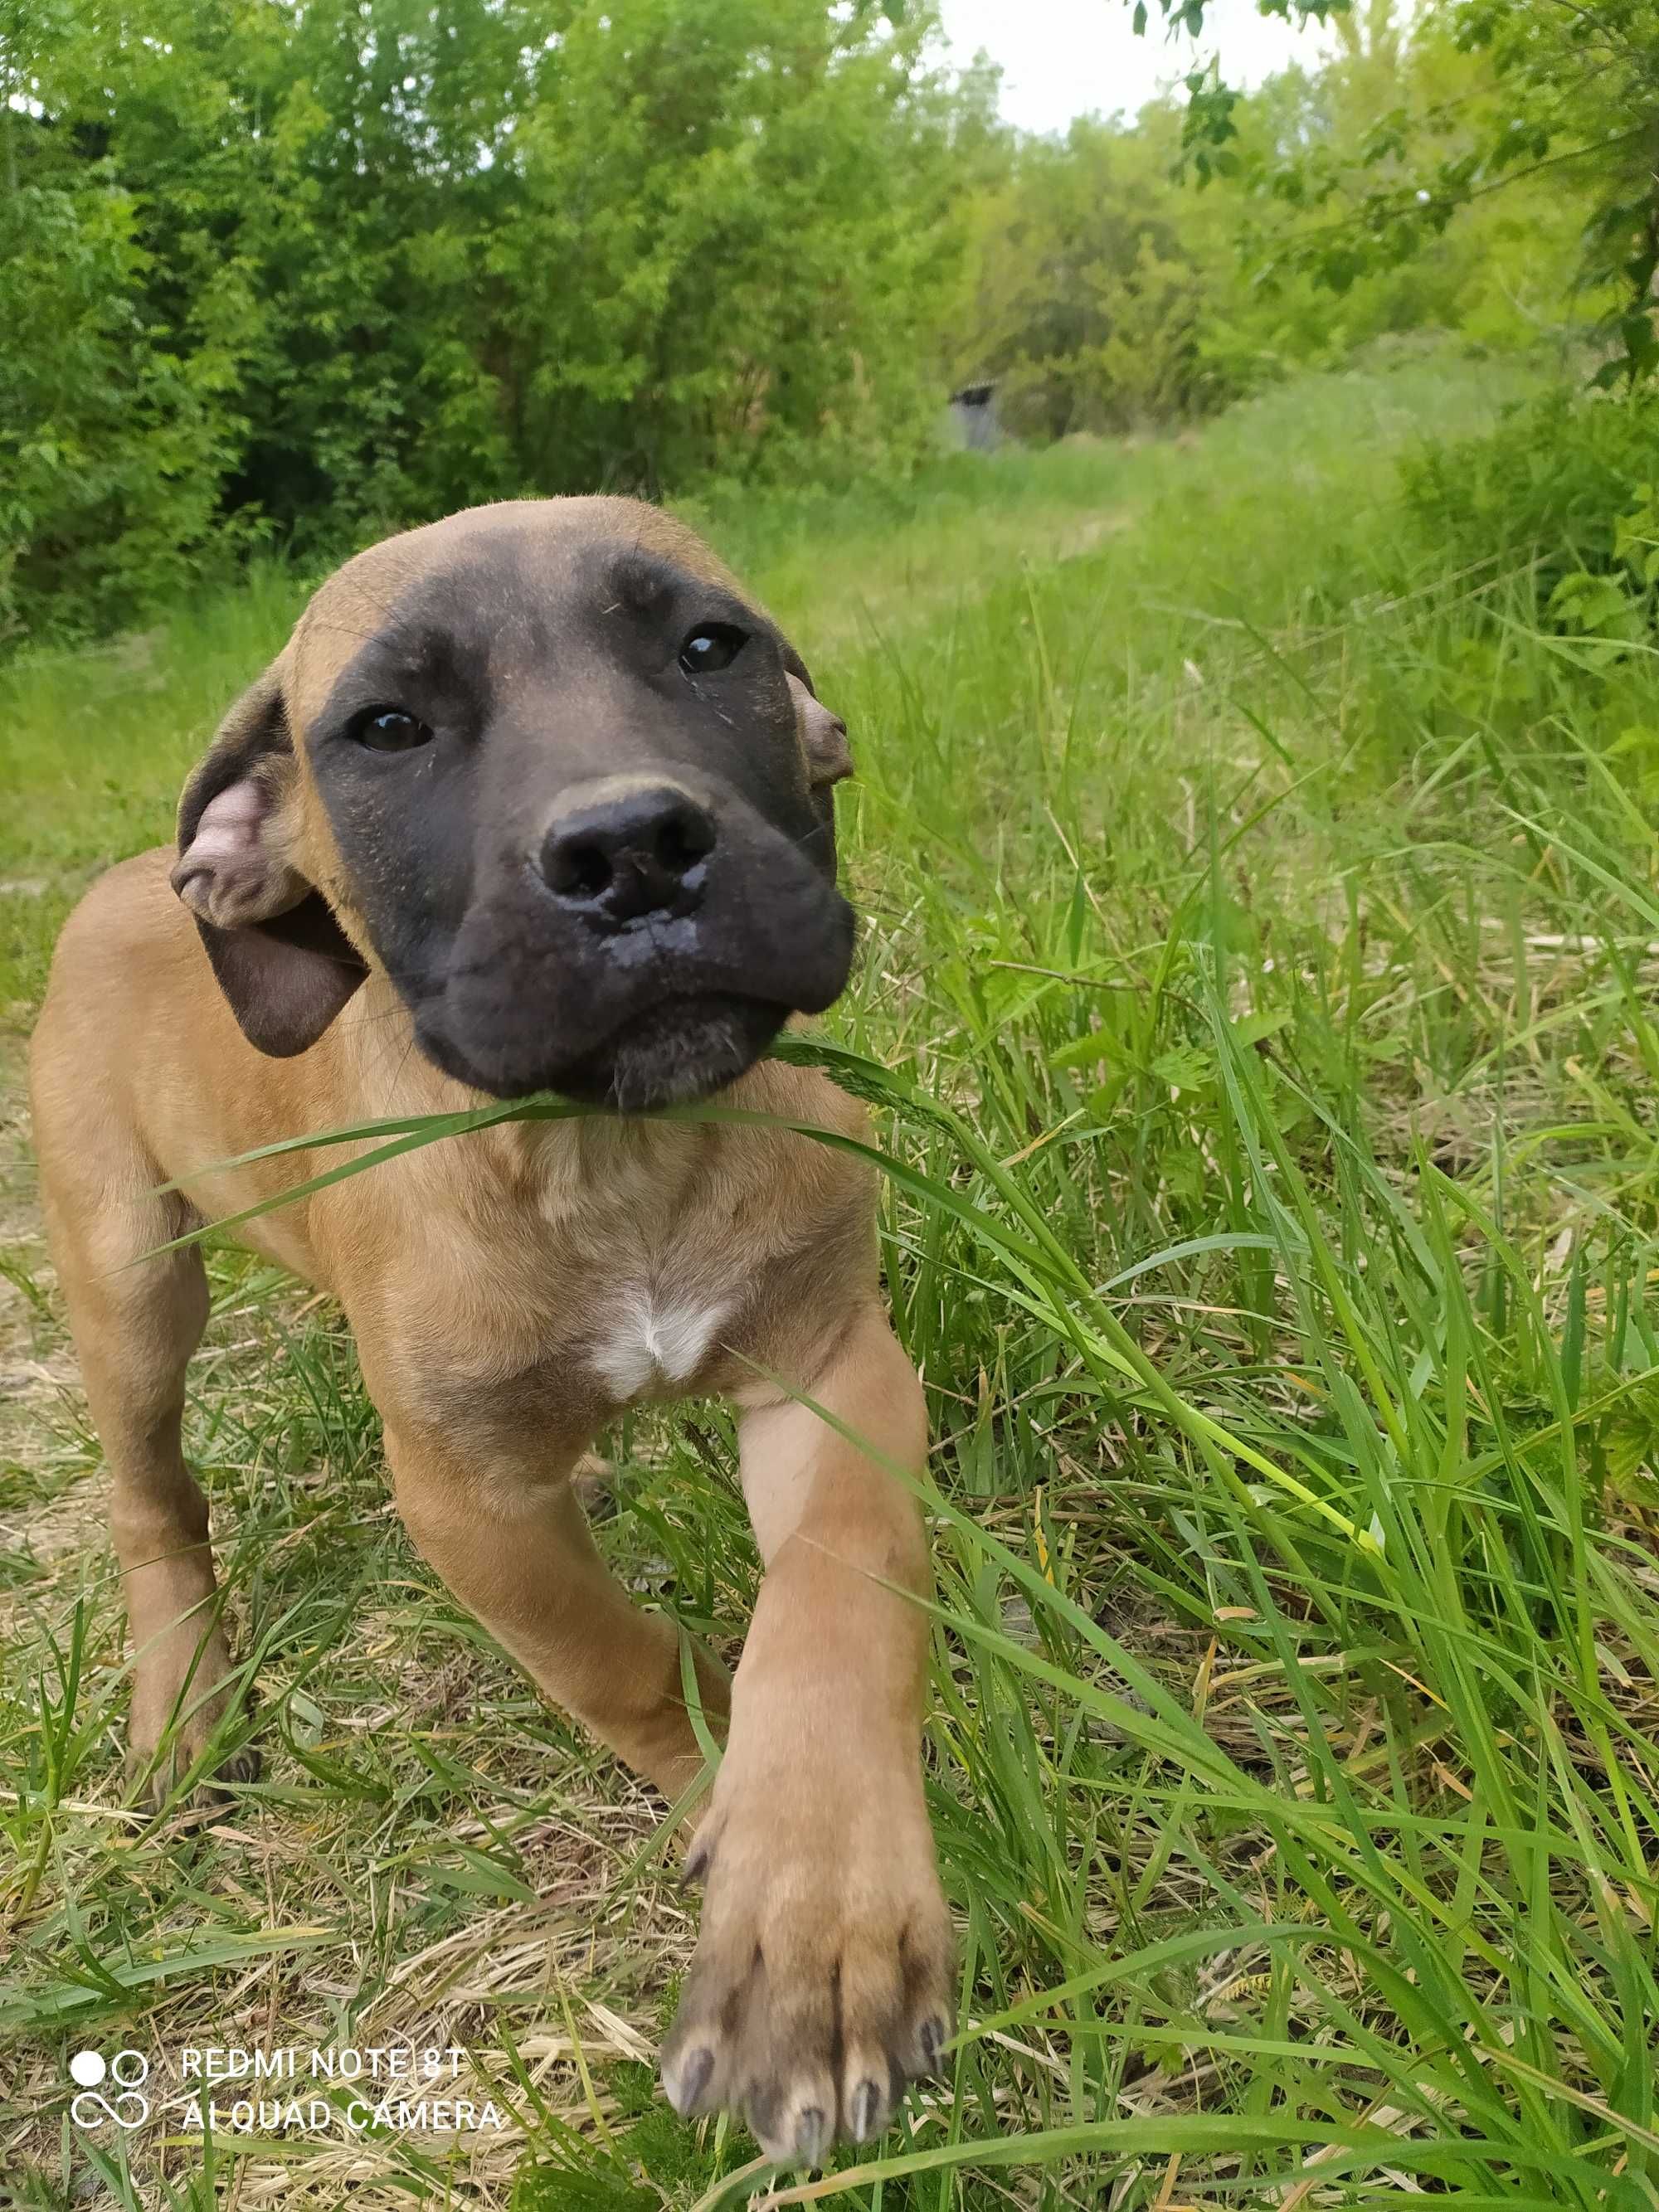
[{"x": 548, "y": 767}]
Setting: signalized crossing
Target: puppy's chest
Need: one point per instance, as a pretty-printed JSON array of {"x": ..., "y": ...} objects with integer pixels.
[
  {"x": 584, "y": 1324},
  {"x": 562, "y": 1305},
  {"x": 659, "y": 1294},
  {"x": 651, "y": 1340}
]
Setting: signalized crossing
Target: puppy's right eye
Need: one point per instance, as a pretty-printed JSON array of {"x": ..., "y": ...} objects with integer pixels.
[
  {"x": 387, "y": 730},
  {"x": 713, "y": 647}
]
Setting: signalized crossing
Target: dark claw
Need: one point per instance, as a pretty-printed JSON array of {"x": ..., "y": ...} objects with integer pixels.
[
  {"x": 811, "y": 2135},
  {"x": 866, "y": 2105},
  {"x": 697, "y": 1864},
  {"x": 932, "y": 2039},
  {"x": 761, "y": 2110},
  {"x": 694, "y": 2079}
]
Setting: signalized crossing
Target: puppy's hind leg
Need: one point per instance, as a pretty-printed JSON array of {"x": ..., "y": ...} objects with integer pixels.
[{"x": 136, "y": 1322}]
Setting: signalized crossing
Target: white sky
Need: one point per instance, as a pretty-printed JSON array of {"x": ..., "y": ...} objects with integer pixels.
[{"x": 1066, "y": 58}]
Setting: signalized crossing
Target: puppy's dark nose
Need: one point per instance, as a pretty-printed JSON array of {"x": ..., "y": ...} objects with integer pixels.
[{"x": 631, "y": 853}]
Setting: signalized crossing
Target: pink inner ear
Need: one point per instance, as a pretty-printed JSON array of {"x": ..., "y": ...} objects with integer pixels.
[
  {"x": 225, "y": 874},
  {"x": 822, "y": 736},
  {"x": 229, "y": 824}
]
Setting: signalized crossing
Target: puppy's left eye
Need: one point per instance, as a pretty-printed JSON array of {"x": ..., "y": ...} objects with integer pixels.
[
  {"x": 387, "y": 730},
  {"x": 713, "y": 646}
]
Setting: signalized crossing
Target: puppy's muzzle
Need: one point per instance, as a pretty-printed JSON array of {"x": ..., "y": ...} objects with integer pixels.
[{"x": 624, "y": 850}]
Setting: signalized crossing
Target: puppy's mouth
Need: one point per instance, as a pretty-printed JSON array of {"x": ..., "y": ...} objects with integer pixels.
[
  {"x": 673, "y": 1054},
  {"x": 533, "y": 998}
]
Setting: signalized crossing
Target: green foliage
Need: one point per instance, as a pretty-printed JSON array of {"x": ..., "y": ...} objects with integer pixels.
[
  {"x": 1565, "y": 480},
  {"x": 112, "y": 443},
  {"x": 298, "y": 277},
  {"x": 1620, "y": 603},
  {"x": 1555, "y": 86},
  {"x": 1087, "y": 286},
  {"x": 1105, "y": 290},
  {"x": 651, "y": 2158},
  {"x": 323, "y": 272}
]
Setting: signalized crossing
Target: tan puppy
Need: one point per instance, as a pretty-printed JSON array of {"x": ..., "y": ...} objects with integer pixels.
[{"x": 537, "y": 798}]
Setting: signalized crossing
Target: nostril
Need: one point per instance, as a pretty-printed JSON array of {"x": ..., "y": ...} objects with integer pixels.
[
  {"x": 683, "y": 840},
  {"x": 579, "y": 867},
  {"x": 637, "y": 853}
]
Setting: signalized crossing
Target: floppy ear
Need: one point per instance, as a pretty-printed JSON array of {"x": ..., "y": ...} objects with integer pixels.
[
  {"x": 281, "y": 959},
  {"x": 822, "y": 735}
]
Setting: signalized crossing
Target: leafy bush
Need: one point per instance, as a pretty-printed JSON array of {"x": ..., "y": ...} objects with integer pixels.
[
  {"x": 1620, "y": 607},
  {"x": 1563, "y": 479},
  {"x": 110, "y": 448},
  {"x": 318, "y": 272}
]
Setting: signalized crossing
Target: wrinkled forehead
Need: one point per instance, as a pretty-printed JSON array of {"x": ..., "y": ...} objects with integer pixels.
[{"x": 495, "y": 592}]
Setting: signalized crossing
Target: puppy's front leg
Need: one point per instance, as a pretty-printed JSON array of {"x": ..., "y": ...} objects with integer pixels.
[
  {"x": 822, "y": 1982},
  {"x": 512, "y": 1541}
]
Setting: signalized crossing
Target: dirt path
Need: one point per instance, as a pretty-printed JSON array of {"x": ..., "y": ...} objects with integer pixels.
[{"x": 859, "y": 618}]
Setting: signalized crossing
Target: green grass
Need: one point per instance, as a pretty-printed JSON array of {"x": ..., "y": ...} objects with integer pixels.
[{"x": 1273, "y": 916}]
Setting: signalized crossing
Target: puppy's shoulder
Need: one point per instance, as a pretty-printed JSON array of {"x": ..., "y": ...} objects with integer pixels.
[
  {"x": 802, "y": 1095},
  {"x": 796, "y": 1174},
  {"x": 138, "y": 887},
  {"x": 127, "y": 923},
  {"x": 795, "y": 1198}
]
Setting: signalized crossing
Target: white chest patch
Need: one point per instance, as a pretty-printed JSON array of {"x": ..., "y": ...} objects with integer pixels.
[{"x": 650, "y": 1346}]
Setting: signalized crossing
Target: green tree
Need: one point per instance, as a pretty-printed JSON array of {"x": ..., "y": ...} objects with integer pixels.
[
  {"x": 314, "y": 272},
  {"x": 113, "y": 440},
  {"x": 1107, "y": 288},
  {"x": 1563, "y": 87},
  {"x": 735, "y": 218},
  {"x": 1089, "y": 284}
]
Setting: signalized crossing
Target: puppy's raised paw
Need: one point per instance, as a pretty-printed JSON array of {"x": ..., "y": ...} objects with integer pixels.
[{"x": 822, "y": 1986}]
